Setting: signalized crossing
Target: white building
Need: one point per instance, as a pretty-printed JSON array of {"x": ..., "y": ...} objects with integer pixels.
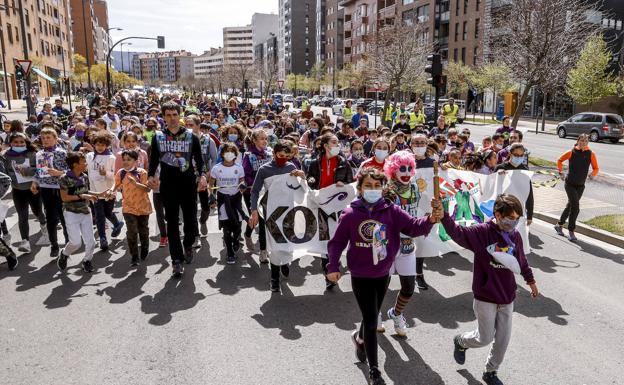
[
  {"x": 238, "y": 45},
  {"x": 102, "y": 44},
  {"x": 263, "y": 26},
  {"x": 208, "y": 63}
]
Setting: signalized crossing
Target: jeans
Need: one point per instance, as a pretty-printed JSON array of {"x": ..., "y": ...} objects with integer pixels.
[
  {"x": 137, "y": 226},
  {"x": 369, "y": 294},
  {"x": 176, "y": 197},
  {"x": 79, "y": 226},
  {"x": 261, "y": 224},
  {"x": 22, "y": 199},
  {"x": 53, "y": 205},
  {"x": 572, "y": 209},
  {"x": 103, "y": 211}
]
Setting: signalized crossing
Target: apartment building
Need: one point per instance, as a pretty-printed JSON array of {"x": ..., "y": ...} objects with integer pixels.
[
  {"x": 238, "y": 45},
  {"x": 163, "y": 67},
  {"x": 208, "y": 63},
  {"x": 91, "y": 37},
  {"x": 296, "y": 36}
]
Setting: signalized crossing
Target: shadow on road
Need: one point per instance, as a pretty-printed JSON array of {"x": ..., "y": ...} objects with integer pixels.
[
  {"x": 549, "y": 265},
  {"x": 469, "y": 377},
  {"x": 539, "y": 307},
  {"x": 447, "y": 263},
  {"x": 414, "y": 370},
  {"x": 599, "y": 252}
]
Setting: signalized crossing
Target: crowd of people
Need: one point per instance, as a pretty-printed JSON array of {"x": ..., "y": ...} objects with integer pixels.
[{"x": 76, "y": 168}]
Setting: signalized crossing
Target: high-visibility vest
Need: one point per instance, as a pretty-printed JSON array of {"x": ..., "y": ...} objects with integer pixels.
[
  {"x": 388, "y": 114},
  {"x": 417, "y": 117},
  {"x": 304, "y": 104},
  {"x": 347, "y": 113},
  {"x": 450, "y": 113}
]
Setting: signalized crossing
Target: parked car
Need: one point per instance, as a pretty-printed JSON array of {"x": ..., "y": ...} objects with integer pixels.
[
  {"x": 337, "y": 107},
  {"x": 598, "y": 125},
  {"x": 288, "y": 98},
  {"x": 326, "y": 101},
  {"x": 316, "y": 99},
  {"x": 299, "y": 100}
]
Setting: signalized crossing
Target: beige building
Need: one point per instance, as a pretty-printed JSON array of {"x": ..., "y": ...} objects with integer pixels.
[{"x": 48, "y": 39}]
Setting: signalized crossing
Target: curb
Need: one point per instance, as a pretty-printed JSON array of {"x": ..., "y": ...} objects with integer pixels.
[{"x": 584, "y": 229}]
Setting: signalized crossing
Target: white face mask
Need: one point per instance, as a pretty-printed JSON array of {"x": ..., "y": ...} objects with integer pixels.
[
  {"x": 419, "y": 151},
  {"x": 334, "y": 151},
  {"x": 498, "y": 146},
  {"x": 269, "y": 131},
  {"x": 381, "y": 155},
  {"x": 229, "y": 156},
  {"x": 403, "y": 121},
  {"x": 358, "y": 154}
]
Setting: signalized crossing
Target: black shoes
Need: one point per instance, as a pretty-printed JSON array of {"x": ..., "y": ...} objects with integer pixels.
[
  {"x": 275, "y": 285},
  {"x": 231, "y": 259},
  {"x": 178, "y": 270},
  {"x": 490, "y": 378},
  {"x": 188, "y": 255},
  {"x": 459, "y": 353},
  {"x": 374, "y": 377},
  {"x": 103, "y": 244},
  {"x": 420, "y": 281},
  {"x": 117, "y": 229},
  {"x": 54, "y": 252},
  {"x": 285, "y": 270},
  {"x": 87, "y": 266},
  {"x": 61, "y": 262},
  {"x": 12, "y": 261},
  {"x": 134, "y": 261},
  {"x": 360, "y": 352},
  {"x": 144, "y": 253}
]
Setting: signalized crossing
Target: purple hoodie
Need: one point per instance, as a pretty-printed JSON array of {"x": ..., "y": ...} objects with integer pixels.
[
  {"x": 355, "y": 228},
  {"x": 491, "y": 282},
  {"x": 252, "y": 161}
]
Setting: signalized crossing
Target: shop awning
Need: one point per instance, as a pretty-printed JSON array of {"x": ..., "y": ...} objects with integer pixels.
[{"x": 44, "y": 75}]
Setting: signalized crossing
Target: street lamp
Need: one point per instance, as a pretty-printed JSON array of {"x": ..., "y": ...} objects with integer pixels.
[{"x": 121, "y": 50}]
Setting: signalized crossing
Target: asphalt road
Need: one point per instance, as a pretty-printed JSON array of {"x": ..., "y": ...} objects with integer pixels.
[{"x": 221, "y": 325}]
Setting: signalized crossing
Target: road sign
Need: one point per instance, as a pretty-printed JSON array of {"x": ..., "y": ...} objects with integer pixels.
[
  {"x": 25, "y": 64},
  {"x": 280, "y": 83}
]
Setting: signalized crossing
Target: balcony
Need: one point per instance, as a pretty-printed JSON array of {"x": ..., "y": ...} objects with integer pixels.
[
  {"x": 347, "y": 42},
  {"x": 387, "y": 11},
  {"x": 347, "y": 25}
]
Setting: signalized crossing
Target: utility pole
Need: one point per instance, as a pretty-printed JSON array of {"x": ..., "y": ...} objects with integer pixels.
[{"x": 29, "y": 103}]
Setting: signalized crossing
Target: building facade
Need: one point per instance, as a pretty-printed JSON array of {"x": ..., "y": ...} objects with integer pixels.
[
  {"x": 48, "y": 41},
  {"x": 208, "y": 63},
  {"x": 158, "y": 68},
  {"x": 238, "y": 45},
  {"x": 334, "y": 36},
  {"x": 91, "y": 37},
  {"x": 263, "y": 27},
  {"x": 296, "y": 36}
]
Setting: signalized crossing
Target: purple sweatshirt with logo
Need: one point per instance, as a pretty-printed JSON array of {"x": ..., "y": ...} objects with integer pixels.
[
  {"x": 355, "y": 229},
  {"x": 491, "y": 281}
]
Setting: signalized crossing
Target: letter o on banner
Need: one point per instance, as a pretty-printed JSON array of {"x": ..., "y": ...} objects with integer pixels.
[{"x": 288, "y": 225}]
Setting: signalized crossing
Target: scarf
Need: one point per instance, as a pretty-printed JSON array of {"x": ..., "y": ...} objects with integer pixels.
[
  {"x": 78, "y": 179},
  {"x": 105, "y": 152},
  {"x": 134, "y": 172}
]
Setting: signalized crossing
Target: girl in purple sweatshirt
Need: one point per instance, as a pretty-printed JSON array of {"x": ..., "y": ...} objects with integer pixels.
[
  {"x": 370, "y": 230},
  {"x": 498, "y": 253}
]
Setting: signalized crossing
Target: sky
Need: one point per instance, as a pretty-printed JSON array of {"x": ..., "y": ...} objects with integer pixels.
[{"x": 193, "y": 25}]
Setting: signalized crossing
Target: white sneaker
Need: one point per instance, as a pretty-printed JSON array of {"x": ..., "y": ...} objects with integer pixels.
[
  {"x": 400, "y": 324},
  {"x": 251, "y": 246},
  {"x": 7, "y": 238},
  {"x": 44, "y": 239},
  {"x": 264, "y": 256},
  {"x": 380, "y": 325},
  {"x": 197, "y": 244},
  {"x": 24, "y": 246}
]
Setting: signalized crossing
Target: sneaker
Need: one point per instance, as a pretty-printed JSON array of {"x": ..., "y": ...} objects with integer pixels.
[
  {"x": 163, "y": 242},
  {"x": 44, "y": 239},
  {"x": 177, "y": 270},
  {"x": 231, "y": 259},
  {"x": 250, "y": 245},
  {"x": 24, "y": 246},
  {"x": 491, "y": 378},
  {"x": 134, "y": 261},
  {"x": 54, "y": 252},
  {"x": 380, "y": 326},
  {"x": 203, "y": 228},
  {"x": 12, "y": 261},
  {"x": 61, "y": 262},
  {"x": 360, "y": 351},
  {"x": 117, "y": 229},
  {"x": 374, "y": 377},
  {"x": 459, "y": 353},
  {"x": 144, "y": 253},
  {"x": 264, "y": 256},
  {"x": 572, "y": 237},
  {"x": 559, "y": 230},
  {"x": 103, "y": 244},
  {"x": 197, "y": 243},
  {"x": 275, "y": 285},
  {"x": 285, "y": 270},
  {"x": 421, "y": 283},
  {"x": 87, "y": 266},
  {"x": 188, "y": 255},
  {"x": 400, "y": 324}
]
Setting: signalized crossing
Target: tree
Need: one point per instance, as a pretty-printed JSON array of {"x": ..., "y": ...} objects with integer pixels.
[
  {"x": 236, "y": 73},
  {"x": 267, "y": 71},
  {"x": 458, "y": 77},
  {"x": 397, "y": 56},
  {"x": 494, "y": 77},
  {"x": 590, "y": 80},
  {"x": 352, "y": 77},
  {"x": 317, "y": 77},
  {"x": 539, "y": 40}
]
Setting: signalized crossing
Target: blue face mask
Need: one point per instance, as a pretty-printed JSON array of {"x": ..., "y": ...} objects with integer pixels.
[
  {"x": 508, "y": 225},
  {"x": 372, "y": 196},
  {"x": 232, "y": 137},
  {"x": 516, "y": 160},
  {"x": 214, "y": 126},
  {"x": 19, "y": 150}
]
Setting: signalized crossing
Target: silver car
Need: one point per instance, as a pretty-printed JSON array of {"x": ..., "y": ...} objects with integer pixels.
[{"x": 598, "y": 125}]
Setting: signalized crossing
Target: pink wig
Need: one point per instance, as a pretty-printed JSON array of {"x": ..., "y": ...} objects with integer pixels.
[{"x": 398, "y": 159}]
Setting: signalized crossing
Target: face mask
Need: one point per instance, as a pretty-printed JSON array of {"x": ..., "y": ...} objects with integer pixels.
[
  {"x": 269, "y": 131},
  {"x": 314, "y": 129},
  {"x": 80, "y": 134},
  {"x": 281, "y": 162},
  {"x": 334, "y": 151},
  {"x": 358, "y": 154},
  {"x": 371, "y": 196},
  {"x": 232, "y": 137},
  {"x": 18, "y": 149},
  {"x": 229, "y": 156},
  {"x": 516, "y": 160},
  {"x": 419, "y": 151},
  {"x": 498, "y": 146},
  {"x": 214, "y": 126},
  {"x": 508, "y": 225},
  {"x": 381, "y": 155}
]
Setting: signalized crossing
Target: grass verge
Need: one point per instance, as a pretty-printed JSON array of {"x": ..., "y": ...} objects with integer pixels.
[
  {"x": 539, "y": 162},
  {"x": 611, "y": 223}
]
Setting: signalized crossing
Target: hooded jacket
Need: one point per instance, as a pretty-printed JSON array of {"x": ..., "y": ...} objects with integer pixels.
[{"x": 355, "y": 230}]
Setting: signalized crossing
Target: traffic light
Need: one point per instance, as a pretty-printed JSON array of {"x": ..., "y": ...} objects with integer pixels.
[
  {"x": 434, "y": 68},
  {"x": 161, "y": 42},
  {"x": 19, "y": 72}
]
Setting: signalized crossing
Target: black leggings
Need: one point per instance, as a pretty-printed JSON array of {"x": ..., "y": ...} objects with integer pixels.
[
  {"x": 369, "y": 294},
  {"x": 419, "y": 265},
  {"x": 572, "y": 209},
  {"x": 53, "y": 205},
  {"x": 261, "y": 224},
  {"x": 159, "y": 209},
  {"x": 176, "y": 196},
  {"x": 408, "y": 284},
  {"x": 22, "y": 199},
  {"x": 231, "y": 233}
]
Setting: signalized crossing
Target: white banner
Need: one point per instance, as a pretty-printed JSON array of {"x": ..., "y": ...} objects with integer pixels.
[{"x": 302, "y": 220}]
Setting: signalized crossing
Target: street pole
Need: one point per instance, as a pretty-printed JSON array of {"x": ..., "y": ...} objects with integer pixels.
[
  {"x": 108, "y": 58},
  {"x": 376, "y": 98},
  {"x": 6, "y": 74},
  {"x": 30, "y": 109},
  {"x": 84, "y": 26}
]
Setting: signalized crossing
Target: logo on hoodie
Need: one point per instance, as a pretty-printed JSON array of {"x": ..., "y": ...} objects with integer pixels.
[{"x": 366, "y": 229}]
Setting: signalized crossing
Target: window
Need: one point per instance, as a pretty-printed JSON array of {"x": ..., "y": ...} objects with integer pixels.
[
  {"x": 10, "y": 33},
  {"x": 457, "y": 8},
  {"x": 463, "y": 57},
  {"x": 465, "y": 32},
  {"x": 455, "y": 55},
  {"x": 422, "y": 13},
  {"x": 465, "y": 6},
  {"x": 477, "y": 22},
  {"x": 478, "y": 4},
  {"x": 405, "y": 2},
  {"x": 29, "y": 42},
  {"x": 16, "y": 34},
  {"x": 475, "y": 56},
  {"x": 27, "y": 17},
  {"x": 456, "y": 31}
]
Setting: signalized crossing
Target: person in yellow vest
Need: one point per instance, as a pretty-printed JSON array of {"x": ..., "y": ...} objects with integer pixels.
[
  {"x": 347, "y": 111},
  {"x": 387, "y": 116},
  {"x": 417, "y": 117},
  {"x": 304, "y": 104},
  {"x": 450, "y": 111}
]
